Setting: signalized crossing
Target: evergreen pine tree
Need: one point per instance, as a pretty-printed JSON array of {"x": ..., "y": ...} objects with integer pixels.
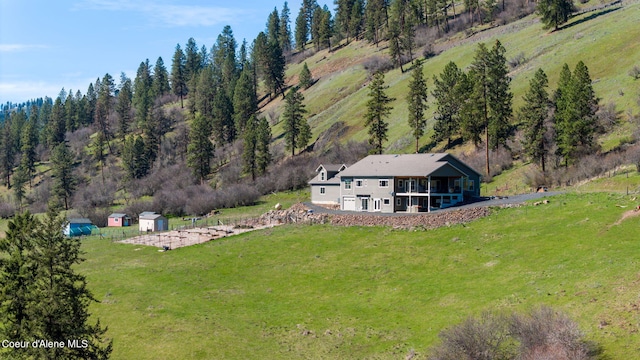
[
  {"x": 64, "y": 181},
  {"x": 554, "y": 13},
  {"x": 249, "y": 152},
  {"x": 273, "y": 27},
  {"x": 245, "y": 101},
  {"x": 586, "y": 105},
  {"x": 225, "y": 62},
  {"x": 7, "y": 153},
  {"x": 70, "y": 109},
  {"x": 104, "y": 106},
  {"x": 16, "y": 282},
  {"x": 57, "y": 127},
  {"x": 297, "y": 132},
  {"x": 534, "y": 114},
  {"x": 160, "y": 84},
  {"x": 500, "y": 98},
  {"x": 20, "y": 179},
  {"x": 224, "y": 129},
  {"x": 29, "y": 143},
  {"x": 356, "y": 21},
  {"x": 417, "y": 100},
  {"x": 123, "y": 105},
  {"x": 203, "y": 96},
  {"x": 59, "y": 296},
  {"x": 490, "y": 98},
  {"x": 378, "y": 109},
  {"x": 263, "y": 139},
  {"x": 143, "y": 93},
  {"x": 305, "y": 77},
  {"x": 447, "y": 93},
  {"x": 192, "y": 61},
  {"x": 97, "y": 151},
  {"x": 576, "y": 105},
  {"x": 200, "y": 148},
  {"x": 284, "y": 35},
  {"x": 395, "y": 44},
  {"x": 302, "y": 31},
  {"x": 179, "y": 75}
]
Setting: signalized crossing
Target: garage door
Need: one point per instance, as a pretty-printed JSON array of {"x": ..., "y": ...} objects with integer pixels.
[{"x": 349, "y": 203}]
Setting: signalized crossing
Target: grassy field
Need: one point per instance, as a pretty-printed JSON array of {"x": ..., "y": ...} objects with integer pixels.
[{"x": 333, "y": 292}]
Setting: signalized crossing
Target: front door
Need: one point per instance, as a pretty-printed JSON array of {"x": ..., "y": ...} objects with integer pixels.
[
  {"x": 377, "y": 203},
  {"x": 365, "y": 204}
]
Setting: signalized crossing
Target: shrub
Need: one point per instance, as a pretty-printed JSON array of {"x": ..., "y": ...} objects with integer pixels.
[
  {"x": 634, "y": 72},
  {"x": 377, "y": 63},
  {"x": 547, "y": 334},
  {"x": 98, "y": 216},
  {"x": 137, "y": 207},
  {"x": 541, "y": 334},
  {"x": 7, "y": 209},
  {"x": 517, "y": 60},
  {"x": 607, "y": 117},
  {"x": 95, "y": 194},
  {"x": 534, "y": 178},
  {"x": 499, "y": 160},
  {"x": 39, "y": 197},
  {"x": 479, "y": 339}
]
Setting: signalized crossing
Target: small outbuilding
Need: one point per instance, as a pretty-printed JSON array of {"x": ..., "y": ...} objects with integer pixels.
[
  {"x": 78, "y": 227},
  {"x": 151, "y": 222},
  {"x": 118, "y": 220}
]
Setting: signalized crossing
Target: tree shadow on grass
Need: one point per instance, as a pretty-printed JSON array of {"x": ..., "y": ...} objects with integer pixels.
[{"x": 590, "y": 17}]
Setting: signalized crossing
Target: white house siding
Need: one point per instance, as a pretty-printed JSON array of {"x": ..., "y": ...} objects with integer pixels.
[
  {"x": 369, "y": 195},
  {"x": 147, "y": 225},
  {"x": 331, "y": 194}
]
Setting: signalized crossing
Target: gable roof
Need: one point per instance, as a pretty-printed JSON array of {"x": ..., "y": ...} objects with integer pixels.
[
  {"x": 399, "y": 165},
  {"x": 332, "y": 171},
  {"x": 79, "y": 221},
  {"x": 118, "y": 215},
  {"x": 332, "y": 167},
  {"x": 149, "y": 216}
]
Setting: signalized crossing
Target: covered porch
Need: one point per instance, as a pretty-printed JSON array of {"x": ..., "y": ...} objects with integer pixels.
[{"x": 428, "y": 193}]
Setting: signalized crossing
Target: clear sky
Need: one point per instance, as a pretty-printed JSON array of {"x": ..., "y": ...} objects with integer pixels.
[{"x": 46, "y": 45}]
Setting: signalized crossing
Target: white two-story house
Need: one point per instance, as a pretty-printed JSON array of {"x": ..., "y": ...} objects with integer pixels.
[{"x": 396, "y": 183}]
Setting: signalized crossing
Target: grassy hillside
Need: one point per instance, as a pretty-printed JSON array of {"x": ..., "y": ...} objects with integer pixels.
[
  {"x": 333, "y": 292},
  {"x": 606, "y": 40}
]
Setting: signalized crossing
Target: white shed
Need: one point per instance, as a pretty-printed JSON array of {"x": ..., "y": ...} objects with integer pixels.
[{"x": 151, "y": 222}]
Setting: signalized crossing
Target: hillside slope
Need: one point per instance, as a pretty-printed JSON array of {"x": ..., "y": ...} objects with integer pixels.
[{"x": 606, "y": 40}]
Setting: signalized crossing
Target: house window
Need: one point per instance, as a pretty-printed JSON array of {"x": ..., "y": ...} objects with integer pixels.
[
  {"x": 347, "y": 184},
  {"x": 322, "y": 190},
  {"x": 359, "y": 183},
  {"x": 470, "y": 185},
  {"x": 383, "y": 183},
  {"x": 386, "y": 201},
  {"x": 435, "y": 185},
  {"x": 400, "y": 184},
  {"x": 398, "y": 202},
  {"x": 116, "y": 219},
  {"x": 322, "y": 175}
]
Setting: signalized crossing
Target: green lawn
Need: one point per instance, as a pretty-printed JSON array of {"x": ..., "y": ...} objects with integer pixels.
[{"x": 333, "y": 292}]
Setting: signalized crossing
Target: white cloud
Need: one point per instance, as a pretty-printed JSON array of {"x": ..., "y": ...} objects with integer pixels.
[
  {"x": 20, "y": 91},
  {"x": 170, "y": 15},
  {"x": 19, "y": 47},
  {"x": 194, "y": 15}
]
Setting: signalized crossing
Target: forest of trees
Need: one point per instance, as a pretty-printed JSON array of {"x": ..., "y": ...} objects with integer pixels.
[{"x": 121, "y": 131}]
